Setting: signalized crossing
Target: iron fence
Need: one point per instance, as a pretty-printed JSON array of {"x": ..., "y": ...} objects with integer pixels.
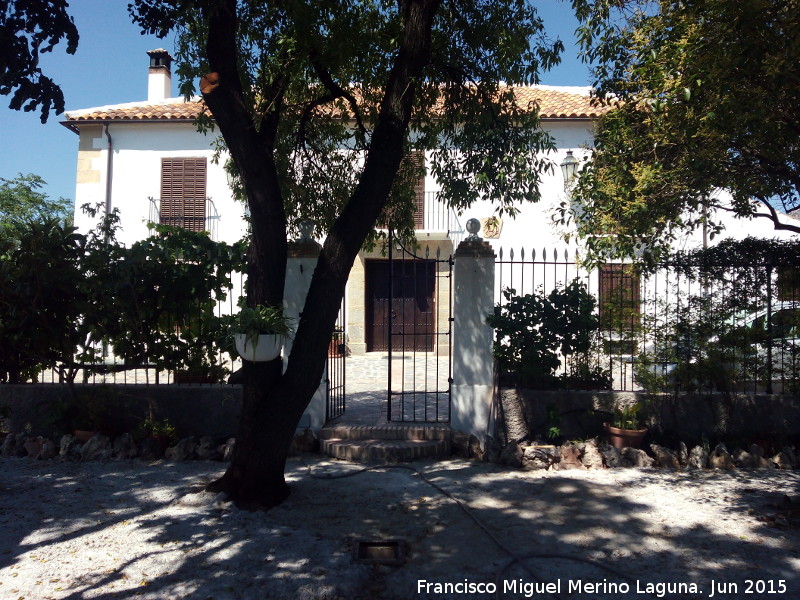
[
  {"x": 730, "y": 328},
  {"x": 437, "y": 216},
  {"x": 418, "y": 334},
  {"x": 194, "y": 214},
  {"x": 99, "y": 362},
  {"x": 335, "y": 372}
]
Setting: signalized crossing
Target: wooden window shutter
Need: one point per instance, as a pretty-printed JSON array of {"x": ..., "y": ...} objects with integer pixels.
[
  {"x": 414, "y": 159},
  {"x": 788, "y": 283},
  {"x": 183, "y": 193},
  {"x": 417, "y": 158},
  {"x": 620, "y": 297}
]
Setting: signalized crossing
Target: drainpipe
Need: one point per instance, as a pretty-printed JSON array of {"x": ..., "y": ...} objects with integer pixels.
[{"x": 109, "y": 169}]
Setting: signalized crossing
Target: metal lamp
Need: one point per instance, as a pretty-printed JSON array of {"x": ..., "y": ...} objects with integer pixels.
[{"x": 569, "y": 168}]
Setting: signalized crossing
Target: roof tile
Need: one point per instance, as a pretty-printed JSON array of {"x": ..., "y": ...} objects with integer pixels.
[{"x": 553, "y": 104}]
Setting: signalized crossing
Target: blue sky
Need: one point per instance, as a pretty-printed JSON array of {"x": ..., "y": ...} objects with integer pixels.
[{"x": 110, "y": 67}]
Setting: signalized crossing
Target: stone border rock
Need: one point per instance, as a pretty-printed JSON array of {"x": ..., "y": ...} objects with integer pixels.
[
  {"x": 593, "y": 454},
  {"x": 125, "y": 447}
]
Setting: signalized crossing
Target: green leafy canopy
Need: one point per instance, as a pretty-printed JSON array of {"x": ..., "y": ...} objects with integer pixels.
[
  {"x": 28, "y": 28},
  {"x": 324, "y": 66},
  {"x": 22, "y": 202},
  {"x": 706, "y": 120}
]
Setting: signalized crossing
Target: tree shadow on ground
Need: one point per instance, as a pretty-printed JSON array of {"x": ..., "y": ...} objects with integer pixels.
[{"x": 117, "y": 530}]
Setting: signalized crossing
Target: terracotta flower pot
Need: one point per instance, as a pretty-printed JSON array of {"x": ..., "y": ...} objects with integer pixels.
[
  {"x": 83, "y": 435},
  {"x": 624, "y": 438}
]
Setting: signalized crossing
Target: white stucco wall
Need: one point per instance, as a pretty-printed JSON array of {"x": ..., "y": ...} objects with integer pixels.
[
  {"x": 138, "y": 148},
  {"x": 534, "y": 226},
  {"x": 136, "y": 175}
]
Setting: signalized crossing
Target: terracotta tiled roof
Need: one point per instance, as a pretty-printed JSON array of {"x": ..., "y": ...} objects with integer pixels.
[
  {"x": 553, "y": 104},
  {"x": 140, "y": 111},
  {"x": 560, "y": 104}
]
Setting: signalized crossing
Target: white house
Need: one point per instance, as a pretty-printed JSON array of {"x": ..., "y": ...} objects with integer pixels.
[{"x": 148, "y": 160}]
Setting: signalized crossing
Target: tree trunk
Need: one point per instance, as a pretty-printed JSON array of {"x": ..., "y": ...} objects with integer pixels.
[
  {"x": 273, "y": 403},
  {"x": 255, "y": 476}
]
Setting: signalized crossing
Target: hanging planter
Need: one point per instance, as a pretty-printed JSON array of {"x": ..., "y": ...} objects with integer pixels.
[
  {"x": 267, "y": 346},
  {"x": 259, "y": 333}
]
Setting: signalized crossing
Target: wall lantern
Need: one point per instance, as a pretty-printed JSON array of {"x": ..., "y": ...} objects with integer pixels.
[{"x": 569, "y": 169}]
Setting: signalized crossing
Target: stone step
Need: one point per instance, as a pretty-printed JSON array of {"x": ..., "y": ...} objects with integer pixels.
[
  {"x": 387, "y": 432},
  {"x": 384, "y": 450}
]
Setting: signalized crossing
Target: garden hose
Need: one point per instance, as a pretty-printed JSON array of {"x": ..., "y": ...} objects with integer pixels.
[{"x": 515, "y": 558}]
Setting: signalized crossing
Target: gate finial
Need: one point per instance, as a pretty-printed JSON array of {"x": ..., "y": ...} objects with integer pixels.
[{"x": 473, "y": 227}]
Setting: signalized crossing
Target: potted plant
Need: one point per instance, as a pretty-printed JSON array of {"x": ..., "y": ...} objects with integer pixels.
[
  {"x": 626, "y": 429},
  {"x": 260, "y": 331},
  {"x": 90, "y": 411},
  {"x": 5, "y": 415},
  {"x": 161, "y": 430}
]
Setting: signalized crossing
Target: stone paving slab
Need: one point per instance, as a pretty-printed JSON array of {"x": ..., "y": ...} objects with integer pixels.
[{"x": 366, "y": 385}]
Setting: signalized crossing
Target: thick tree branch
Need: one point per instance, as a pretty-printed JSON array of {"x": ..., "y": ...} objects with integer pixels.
[
  {"x": 252, "y": 152},
  {"x": 337, "y": 91},
  {"x": 368, "y": 199},
  {"x": 772, "y": 216}
]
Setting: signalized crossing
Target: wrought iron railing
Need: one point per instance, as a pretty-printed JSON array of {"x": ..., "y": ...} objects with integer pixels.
[
  {"x": 195, "y": 214},
  {"x": 735, "y": 331}
]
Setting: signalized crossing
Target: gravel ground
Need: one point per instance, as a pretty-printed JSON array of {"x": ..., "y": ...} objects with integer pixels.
[{"x": 135, "y": 530}]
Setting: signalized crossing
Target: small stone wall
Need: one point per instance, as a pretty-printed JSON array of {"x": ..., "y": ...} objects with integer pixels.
[
  {"x": 526, "y": 413},
  {"x": 205, "y": 418},
  {"x": 592, "y": 454},
  {"x": 598, "y": 454},
  {"x": 199, "y": 410}
]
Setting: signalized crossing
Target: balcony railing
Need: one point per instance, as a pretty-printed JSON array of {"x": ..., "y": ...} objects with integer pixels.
[
  {"x": 195, "y": 214},
  {"x": 433, "y": 215}
]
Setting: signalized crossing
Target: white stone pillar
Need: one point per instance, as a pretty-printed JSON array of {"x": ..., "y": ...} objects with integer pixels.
[
  {"x": 473, "y": 365},
  {"x": 302, "y": 261}
]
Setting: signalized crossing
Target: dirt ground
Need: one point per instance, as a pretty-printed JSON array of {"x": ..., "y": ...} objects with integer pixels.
[{"x": 135, "y": 530}]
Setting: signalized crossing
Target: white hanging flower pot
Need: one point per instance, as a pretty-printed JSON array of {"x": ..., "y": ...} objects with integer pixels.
[{"x": 268, "y": 346}]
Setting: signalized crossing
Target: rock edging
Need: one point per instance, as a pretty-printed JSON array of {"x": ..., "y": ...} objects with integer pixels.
[{"x": 125, "y": 447}]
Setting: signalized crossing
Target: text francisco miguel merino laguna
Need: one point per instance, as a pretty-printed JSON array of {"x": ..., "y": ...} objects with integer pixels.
[{"x": 580, "y": 586}]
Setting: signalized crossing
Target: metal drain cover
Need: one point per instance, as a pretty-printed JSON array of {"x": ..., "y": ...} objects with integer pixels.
[{"x": 380, "y": 552}]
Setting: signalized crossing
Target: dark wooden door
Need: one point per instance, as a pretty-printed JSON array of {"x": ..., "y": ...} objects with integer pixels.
[{"x": 400, "y": 305}]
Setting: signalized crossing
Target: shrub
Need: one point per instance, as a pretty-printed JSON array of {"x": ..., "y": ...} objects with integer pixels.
[{"x": 536, "y": 333}]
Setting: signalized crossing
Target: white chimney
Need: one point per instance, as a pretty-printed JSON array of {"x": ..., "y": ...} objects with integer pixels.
[{"x": 159, "y": 76}]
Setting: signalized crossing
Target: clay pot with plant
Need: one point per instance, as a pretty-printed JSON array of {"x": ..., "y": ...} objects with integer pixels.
[
  {"x": 89, "y": 412},
  {"x": 626, "y": 429},
  {"x": 159, "y": 429}
]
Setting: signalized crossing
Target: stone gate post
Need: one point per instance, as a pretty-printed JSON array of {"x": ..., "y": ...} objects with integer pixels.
[
  {"x": 473, "y": 365},
  {"x": 300, "y": 265}
]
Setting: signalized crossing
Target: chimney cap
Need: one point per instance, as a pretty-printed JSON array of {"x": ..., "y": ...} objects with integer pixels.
[{"x": 159, "y": 58}]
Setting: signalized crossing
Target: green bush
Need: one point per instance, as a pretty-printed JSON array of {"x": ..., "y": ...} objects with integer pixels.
[
  {"x": 535, "y": 332},
  {"x": 715, "y": 339},
  {"x": 67, "y": 300},
  {"x": 41, "y": 299}
]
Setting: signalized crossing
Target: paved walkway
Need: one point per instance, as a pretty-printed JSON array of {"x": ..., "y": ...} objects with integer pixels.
[{"x": 424, "y": 386}]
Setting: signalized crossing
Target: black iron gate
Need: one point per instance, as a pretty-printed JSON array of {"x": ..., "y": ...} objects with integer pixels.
[
  {"x": 335, "y": 370},
  {"x": 418, "y": 333}
]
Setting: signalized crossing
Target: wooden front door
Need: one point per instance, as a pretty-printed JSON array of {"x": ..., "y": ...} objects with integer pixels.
[{"x": 400, "y": 305}]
